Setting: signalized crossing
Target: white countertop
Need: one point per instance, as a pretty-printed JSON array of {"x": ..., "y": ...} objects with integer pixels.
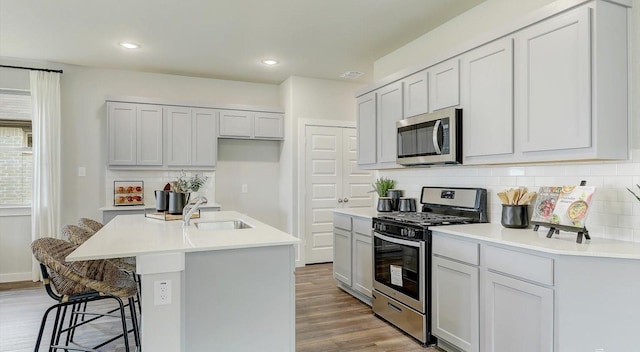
[
  {"x": 367, "y": 213},
  {"x": 132, "y": 235},
  {"x": 142, "y": 207},
  {"x": 563, "y": 244}
]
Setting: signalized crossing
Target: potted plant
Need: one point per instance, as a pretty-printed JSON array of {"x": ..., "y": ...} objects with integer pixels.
[
  {"x": 382, "y": 186},
  {"x": 181, "y": 190}
]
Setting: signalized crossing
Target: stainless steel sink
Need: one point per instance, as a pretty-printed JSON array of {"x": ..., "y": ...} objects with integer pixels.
[{"x": 223, "y": 225}]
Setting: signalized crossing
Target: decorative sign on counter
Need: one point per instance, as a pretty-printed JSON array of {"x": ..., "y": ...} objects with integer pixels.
[
  {"x": 563, "y": 208},
  {"x": 128, "y": 193}
]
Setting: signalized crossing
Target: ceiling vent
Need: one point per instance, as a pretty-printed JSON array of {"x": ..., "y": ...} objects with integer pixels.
[{"x": 352, "y": 74}]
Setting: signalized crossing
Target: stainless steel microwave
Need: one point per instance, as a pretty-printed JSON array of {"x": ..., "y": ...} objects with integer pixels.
[{"x": 431, "y": 139}]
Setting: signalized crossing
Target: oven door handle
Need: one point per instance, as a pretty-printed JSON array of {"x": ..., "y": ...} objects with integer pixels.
[{"x": 396, "y": 240}]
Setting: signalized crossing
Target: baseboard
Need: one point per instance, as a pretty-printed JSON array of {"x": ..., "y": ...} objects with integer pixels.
[{"x": 13, "y": 277}]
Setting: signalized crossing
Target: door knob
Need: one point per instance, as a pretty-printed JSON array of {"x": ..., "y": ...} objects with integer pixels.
[
  {"x": 339, "y": 200},
  {"x": 346, "y": 200}
]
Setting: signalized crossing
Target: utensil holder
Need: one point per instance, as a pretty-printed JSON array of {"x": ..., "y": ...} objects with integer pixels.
[
  {"x": 515, "y": 216},
  {"x": 177, "y": 201}
]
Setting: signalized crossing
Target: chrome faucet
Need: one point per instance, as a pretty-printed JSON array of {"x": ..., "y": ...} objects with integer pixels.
[{"x": 190, "y": 208}]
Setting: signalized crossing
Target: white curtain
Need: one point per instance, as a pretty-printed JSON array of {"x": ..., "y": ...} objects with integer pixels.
[{"x": 45, "y": 209}]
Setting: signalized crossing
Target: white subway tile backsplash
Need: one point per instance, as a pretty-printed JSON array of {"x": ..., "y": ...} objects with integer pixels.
[
  {"x": 630, "y": 169},
  {"x": 615, "y": 213}
]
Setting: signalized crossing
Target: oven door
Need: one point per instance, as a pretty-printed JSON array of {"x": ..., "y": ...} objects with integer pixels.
[{"x": 399, "y": 267}]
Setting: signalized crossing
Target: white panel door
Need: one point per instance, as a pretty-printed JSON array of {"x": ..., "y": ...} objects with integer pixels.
[
  {"x": 553, "y": 75},
  {"x": 416, "y": 94},
  {"x": 149, "y": 135},
  {"x": 268, "y": 125},
  {"x": 487, "y": 99},
  {"x": 323, "y": 158},
  {"x": 236, "y": 123},
  {"x": 122, "y": 133},
  {"x": 444, "y": 85},
  {"x": 455, "y": 315},
  {"x": 518, "y": 316},
  {"x": 356, "y": 183},
  {"x": 332, "y": 181},
  {"x": 205, "y": 137},
  {"x": 389, "y": 112},
  {"x": 367, "y": 130},
  {"x": 179, "y": 136}
]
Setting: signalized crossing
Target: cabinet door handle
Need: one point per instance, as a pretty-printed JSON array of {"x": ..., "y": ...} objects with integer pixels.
[
  {"x": 346, "y": 200},
  {"x": 339, "y": 200}
]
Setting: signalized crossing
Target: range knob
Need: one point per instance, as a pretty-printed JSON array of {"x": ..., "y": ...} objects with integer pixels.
[{"x": 411, "y": 233}]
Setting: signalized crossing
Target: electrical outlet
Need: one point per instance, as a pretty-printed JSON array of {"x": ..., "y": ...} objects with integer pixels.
[
  {"x": 82, "y": 171},
  {"x": 162, "y": 292},
  {"x": 245, "y": 188}
]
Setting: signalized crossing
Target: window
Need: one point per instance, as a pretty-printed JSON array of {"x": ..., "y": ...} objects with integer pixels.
[{"x": 16, "y": 157}]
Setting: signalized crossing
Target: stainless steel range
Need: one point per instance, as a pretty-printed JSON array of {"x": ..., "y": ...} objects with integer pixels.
[{"x": 402, "y": 255}]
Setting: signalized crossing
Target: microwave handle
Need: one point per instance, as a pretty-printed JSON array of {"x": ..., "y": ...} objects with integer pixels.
[{"x": 436, "y": 145}]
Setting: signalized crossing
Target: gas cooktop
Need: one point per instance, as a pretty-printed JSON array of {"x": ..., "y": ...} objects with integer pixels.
[{"x": 425, "y": 219}]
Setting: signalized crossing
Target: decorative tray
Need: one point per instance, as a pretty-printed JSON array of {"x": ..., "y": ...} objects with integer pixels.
[{"x": 152, "y": 213}]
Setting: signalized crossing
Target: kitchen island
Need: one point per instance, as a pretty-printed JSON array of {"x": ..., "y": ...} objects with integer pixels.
[{"x": 223, "y": 289}]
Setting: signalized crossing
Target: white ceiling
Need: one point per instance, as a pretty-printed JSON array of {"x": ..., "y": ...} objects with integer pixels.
[{"x": 223, "y": 39}]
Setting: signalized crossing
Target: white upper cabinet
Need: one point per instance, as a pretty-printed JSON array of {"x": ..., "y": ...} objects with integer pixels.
[
  {"x": 389, "y": 110},
  {"x": 251, "y": 125},
  {"x": 236, "y": 124},
  {"x": 571, "y": 89},
  {"x": 191, "y": 137},
  {"x": 487, "y": 100},
  {"x": 554, "y": 88},
  {"x": 416, "y": 94},
  {"x": 444, "y": 85},
  {"x": 553, "y": 65},
  {"x": 268, "y": 125},
  {"x": 135, "y": 134},
  {"x": 367, "y": 130},
  {"x": 205, "y": 140}
]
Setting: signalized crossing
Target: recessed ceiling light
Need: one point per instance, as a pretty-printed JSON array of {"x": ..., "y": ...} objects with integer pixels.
[
  {"x": 270, "y": 62},
  {"x": 129, "y": 45}
]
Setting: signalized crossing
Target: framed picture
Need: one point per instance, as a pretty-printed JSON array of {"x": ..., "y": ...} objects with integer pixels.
[{"x": 128, "y": 192}]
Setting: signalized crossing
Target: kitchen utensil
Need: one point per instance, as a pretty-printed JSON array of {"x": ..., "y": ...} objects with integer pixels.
[
  {"x": 395, "y": 195},
  {"x": 503, "y": 197},
  {"x": 384, "y": 204},
  {"x": 407, "y": 204}
]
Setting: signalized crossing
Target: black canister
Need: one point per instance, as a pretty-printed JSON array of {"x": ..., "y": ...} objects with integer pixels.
[
  {"x": 177, "y": 201},
  {"x": 515, "y": 216},
  {"x": 395, "y": 195},
  {"x": 162, "y": 200},
  {"x": 384, "y": 204}
]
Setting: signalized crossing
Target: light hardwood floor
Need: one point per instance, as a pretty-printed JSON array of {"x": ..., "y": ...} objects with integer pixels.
[{"x": 327, "y": 319}]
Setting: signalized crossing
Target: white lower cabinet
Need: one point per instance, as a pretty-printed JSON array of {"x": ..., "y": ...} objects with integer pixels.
[
  {"x": 353, "y": 255},
  {"x": 455, "y": 314},
  {"x": 491, "y": 299},
  {"x": 518, "y": 316}
]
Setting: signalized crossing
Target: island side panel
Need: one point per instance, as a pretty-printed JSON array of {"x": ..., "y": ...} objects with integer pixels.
[
  {"x": 598, "y": 304},
  {"x": 240, "y": 300}
]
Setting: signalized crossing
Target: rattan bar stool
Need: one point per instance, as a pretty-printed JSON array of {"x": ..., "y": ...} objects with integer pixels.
[
  {"x": 78, "y": 235},
  {"x": 81, "y": 282},
  {"x": 90, "y": 224}
]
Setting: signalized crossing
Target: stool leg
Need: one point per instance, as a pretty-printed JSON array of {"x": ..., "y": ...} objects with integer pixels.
[
  {"x": 134, "y": 321},
  {"x": 42, "y": 325}
]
